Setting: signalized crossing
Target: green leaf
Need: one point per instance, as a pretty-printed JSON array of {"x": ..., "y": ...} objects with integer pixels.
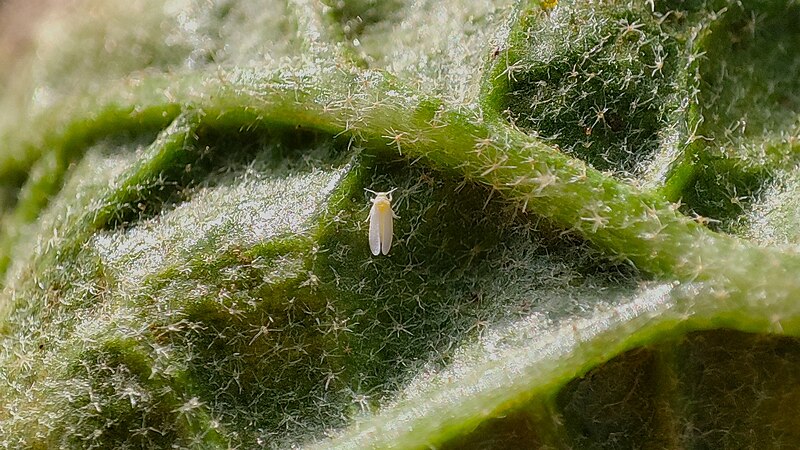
[{"x": 595, "y": 246}]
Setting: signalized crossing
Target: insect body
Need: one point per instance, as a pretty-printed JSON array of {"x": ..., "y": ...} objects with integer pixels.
[{"x": 380, "y": 218}]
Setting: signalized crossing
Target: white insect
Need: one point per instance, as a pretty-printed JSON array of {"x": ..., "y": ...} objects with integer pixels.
[{"x": 381, "y": 229}]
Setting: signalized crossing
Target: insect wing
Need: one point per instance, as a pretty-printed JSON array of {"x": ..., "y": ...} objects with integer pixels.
[
  {"x": 375, "y": 229},
  {"x": 387, "y": 230}
]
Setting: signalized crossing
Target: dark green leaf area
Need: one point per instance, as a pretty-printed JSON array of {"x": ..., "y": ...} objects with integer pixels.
[
  {"x": 619, "y": 405},
  {"x": 723, "y": 191},
  {"x": 598, "y": 81},
  {"x": 689, "y": 393},
  {"x": 749, "y": 89},
  {"x": 263, "y": 356},
  {"x": 520, "y": 429},
  {"x": 730, "y": 384},
  {"x": 354, "y": 16},
  {"x": 746, "y": 129},
  {"x": 110, "y": 399}
]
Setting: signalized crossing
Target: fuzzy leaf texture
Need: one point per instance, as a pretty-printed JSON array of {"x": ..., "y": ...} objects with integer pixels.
[{"x": 597, "y": 242}]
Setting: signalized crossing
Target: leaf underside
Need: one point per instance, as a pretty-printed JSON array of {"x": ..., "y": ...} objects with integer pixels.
[{"x": 596, "y": 245}]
